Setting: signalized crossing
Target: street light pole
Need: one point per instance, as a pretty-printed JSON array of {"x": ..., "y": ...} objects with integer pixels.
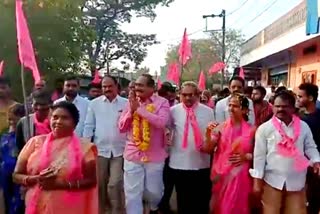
[{"x": 223, "y": 57}]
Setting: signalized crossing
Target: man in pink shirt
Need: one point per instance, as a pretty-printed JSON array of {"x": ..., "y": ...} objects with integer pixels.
[{"x": 144, "y": 120}]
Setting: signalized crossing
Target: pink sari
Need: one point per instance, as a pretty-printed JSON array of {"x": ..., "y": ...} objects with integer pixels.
[
  {"x": 231, "y": 185},
  {"x": 59, "y": 201}
]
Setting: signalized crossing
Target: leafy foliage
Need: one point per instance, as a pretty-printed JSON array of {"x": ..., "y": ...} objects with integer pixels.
[
  {"x": 205, "y": 53},
  {"x": 111, "y": 43},
  {"x": 57, "y": 33}
]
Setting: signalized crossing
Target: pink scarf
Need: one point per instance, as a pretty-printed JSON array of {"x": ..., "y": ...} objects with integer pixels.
[
  {"x": 41, "y": 128},
  {"x": 286, "y": 147},
  {"x": 55, "y": 96},
  {"x": 229, "y": 136},
  {"x": 75, "y": 169},
  {"x": 191, "y": 118}
]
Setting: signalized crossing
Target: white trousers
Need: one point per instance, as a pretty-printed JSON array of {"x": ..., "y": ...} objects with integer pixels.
[{"x": 142, "y": 181}]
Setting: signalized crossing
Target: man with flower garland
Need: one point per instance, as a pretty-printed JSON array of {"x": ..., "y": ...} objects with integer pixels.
[
  {"x": 279, "y": 163},
  {"x": 144, "y": 120}
]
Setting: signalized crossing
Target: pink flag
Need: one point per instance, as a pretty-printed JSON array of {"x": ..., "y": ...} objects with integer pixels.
[
  {"x": 96, "y": 79},
  {"x": 173, "y": 73},
  {"x": 185, "y": 49},
  {"x": 25, "y": 47},
  {"x": 159, "y": 83},
  {"x": 241, "y": 73},
  {"x": 202, "y": 81},
  {"x": 217, "y": 67},
  {"x": 1, "y": 68}
]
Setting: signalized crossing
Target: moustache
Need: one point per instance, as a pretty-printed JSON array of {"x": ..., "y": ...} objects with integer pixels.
[
  {"x": 108, "y": 92},
  {"x": 71, "y": 92},
  {"x": 281, "y": 112}
]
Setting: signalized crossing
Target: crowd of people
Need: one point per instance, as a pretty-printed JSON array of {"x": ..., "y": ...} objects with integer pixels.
[{"x": 237, "y": 151}]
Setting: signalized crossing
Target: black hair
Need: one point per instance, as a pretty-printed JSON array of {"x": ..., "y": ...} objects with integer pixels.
[
  {"x": 94, "y": 85},
  {"x": 70, "y": 107},
  {"x": 114, "y": 79},
  {"x": 248, "y": 90},
  {"x": 72, "y": 77},
  {"x": 150, "y": 81},
  {"x": 18, "y": 110},
  {"x": 281, "y": 88},
  {"x": 237, "y": 78},
  {"x": 165, "y": 88},
  {"x": 310, "y": 89},
  {"x": 43, "y": 95},
  {"x": 286, "y": 96},
  {"x": 244, "y": 102},
  {"x": 5, "y": 81},
  {"x": 261, "y": 89}
]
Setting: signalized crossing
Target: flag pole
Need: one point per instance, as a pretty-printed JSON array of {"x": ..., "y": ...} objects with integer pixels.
[{"x": 24, "y": 93}]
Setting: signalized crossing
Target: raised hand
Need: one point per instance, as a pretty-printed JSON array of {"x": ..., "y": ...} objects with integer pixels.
[{"x": 134, "y": 103}]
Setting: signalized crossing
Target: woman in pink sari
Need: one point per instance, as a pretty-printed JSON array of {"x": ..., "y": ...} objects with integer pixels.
[
  {"x": 59, "y": 169},
  {"x": 232, "y": 159}
]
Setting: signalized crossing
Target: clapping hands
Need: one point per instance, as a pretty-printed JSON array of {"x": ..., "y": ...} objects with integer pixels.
[{"x": 134, "y": 102}]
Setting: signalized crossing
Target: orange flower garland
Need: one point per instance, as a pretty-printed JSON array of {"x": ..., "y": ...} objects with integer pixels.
[{"x": 142, "y": 138}]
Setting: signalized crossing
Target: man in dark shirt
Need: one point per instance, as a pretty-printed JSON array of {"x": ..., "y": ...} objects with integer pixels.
[{"x": 307, "y": 97}]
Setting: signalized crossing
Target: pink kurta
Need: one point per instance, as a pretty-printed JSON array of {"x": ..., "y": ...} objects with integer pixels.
[{"x": 158, "y": 121}]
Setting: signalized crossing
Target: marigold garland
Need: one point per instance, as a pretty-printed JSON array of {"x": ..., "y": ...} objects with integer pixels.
[{"x": 142, "y": 138}]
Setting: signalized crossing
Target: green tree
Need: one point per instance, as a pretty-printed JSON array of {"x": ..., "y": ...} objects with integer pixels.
[
  {"x": 111, "y": 43},
  {"x": 57, "y": 33},
  {"x": 206, "y": 52}
]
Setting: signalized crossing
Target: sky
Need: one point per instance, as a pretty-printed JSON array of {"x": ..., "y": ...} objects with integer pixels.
[{"x": 250, "y": 16}]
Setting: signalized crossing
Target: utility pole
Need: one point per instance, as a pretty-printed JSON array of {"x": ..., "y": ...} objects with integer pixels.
[{"x": 223, "y": 29}]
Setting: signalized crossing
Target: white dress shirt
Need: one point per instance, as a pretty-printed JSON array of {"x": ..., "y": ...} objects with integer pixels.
[
  {"x": 189, "y": 158},
  {"x": 222, "y": 111},
  {"x": 278, "y": 171},
  {"x": 82, "y": 106},
  {"x": 102, "y": 123}
]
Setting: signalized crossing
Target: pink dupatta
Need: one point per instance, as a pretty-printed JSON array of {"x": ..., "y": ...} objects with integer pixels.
[
  {"x": 221, "y": 164},
  {"x": 191, "y": 119},
  {"x": 287, "y": 148},
  {"x": 75, "y": 169},
  {"x": 232, "y": 184},
  {"x": 41, "y": 128}
]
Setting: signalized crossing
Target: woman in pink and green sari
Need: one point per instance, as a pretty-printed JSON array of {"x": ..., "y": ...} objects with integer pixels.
[
  {"x": 232, "y": 158},
  {"x": 59, "y": 169}
]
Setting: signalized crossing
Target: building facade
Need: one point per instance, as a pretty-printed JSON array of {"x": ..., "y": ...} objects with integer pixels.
[{"x": 282, "y": 53}]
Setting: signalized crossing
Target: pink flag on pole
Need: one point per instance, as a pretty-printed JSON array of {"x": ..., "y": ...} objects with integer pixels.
[
  {"x": 25, "y": 47},
  {"x": 159, "y": 83},
  {"x": 173, "y": 73},
  {"x": 185, "y": 49},
  {"x": 96, "y": 79},
  {"x": 217, "y": 67},
  {"x": 202, "y": 81},
  {"x": 241, "y": 73},
  {"x": 1, "y": 68}
]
